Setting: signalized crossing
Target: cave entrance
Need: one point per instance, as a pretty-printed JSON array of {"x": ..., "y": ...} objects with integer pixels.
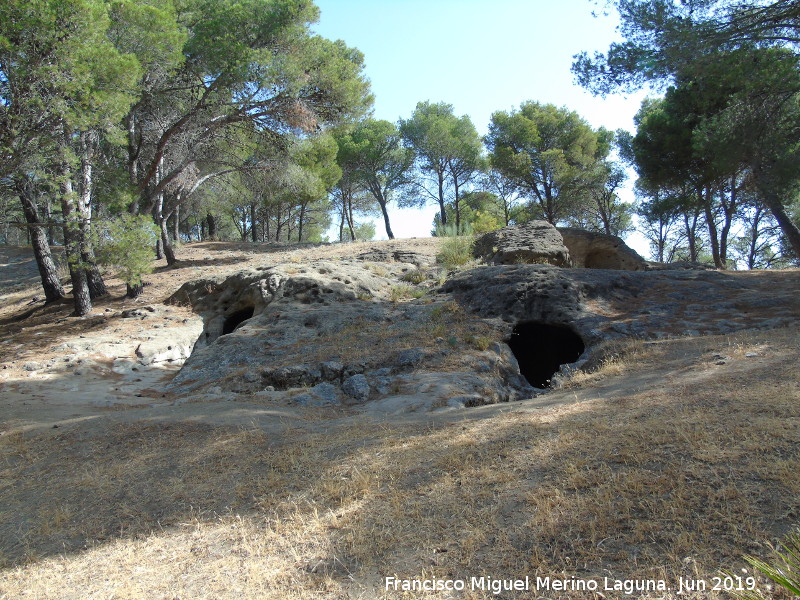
[
  {"x": 541, "y": 349},
  {"x": 235, "y": 319}
]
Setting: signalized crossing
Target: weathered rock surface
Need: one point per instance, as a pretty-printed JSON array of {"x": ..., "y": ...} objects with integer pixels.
[
  {"x": 535, "y": 242},
  {"x": 327, "y": 333},
  {"x": 331, "y": 323},
  {"x": 593, "y": 250},
  {"x": 598, "y": 304}
]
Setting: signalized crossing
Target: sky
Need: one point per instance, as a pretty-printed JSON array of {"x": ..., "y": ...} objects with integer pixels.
[{"x": 481, "y": 56}]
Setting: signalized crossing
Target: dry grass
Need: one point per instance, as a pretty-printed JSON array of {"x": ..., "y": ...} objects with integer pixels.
[{"x": 680, "y": 478}]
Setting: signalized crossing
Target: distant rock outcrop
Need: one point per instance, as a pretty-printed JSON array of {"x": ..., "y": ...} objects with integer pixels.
[
  {"x": 593, "y": 250},
  {"x": 534, "y": 242}
]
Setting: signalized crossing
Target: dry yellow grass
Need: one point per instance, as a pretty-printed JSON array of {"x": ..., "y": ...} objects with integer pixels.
[{"x": 678, "y": 477}]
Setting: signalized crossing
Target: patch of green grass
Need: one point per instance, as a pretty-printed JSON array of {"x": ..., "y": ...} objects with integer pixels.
[
  {"x": 455, "y": 251},
  {"x": 404, "y": 291},
  {"x": 415, "y": 277}
]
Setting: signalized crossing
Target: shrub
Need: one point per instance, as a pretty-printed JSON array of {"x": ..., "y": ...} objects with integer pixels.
[
  {"x": 455, "y": 251},
  {"x": 126, "y": 242},
  {"x": 415, "y": 276},
  {"x": 404, "y": 291}
]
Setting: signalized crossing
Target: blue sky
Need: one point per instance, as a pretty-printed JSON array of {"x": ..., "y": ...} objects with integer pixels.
[{"x": 480, "y": 56}]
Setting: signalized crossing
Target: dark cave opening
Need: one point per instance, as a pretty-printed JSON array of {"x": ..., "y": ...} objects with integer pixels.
[
  {"x": 235, "y": 319},
  {"x": 541, "y": 349}
]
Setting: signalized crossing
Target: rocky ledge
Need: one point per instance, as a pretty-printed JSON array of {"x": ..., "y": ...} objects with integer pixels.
[{"x": 381, "y": 334}]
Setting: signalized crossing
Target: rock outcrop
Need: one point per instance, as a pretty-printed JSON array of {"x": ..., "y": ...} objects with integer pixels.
[
  {"x": 333, "y": 323},
  {"x": 535, "y": 242},
  {"x": 593, "y": 250},
  {"x": 350, "y": 333}
]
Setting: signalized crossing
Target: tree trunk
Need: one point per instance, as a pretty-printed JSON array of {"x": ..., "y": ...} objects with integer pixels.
[
  {"x": 134, "y": 291},
  {"x": 350, "y": 220},
  {"x": 176, "y": 229},
  {"x": 94, "y": 279},
  {"x": 341, "y": 222},
  {"x": 168, "y": 250},
  {"x": 691, "y": 230},
  {"x": 442, "y": 211},
  {"x": 712, "y": 227},
  {"x": 389, "y": 233},
  {"x": 73, "y": 243},
  {"x": 253, "y": 234},
  {"x": 212, "y": 227},
  {"x": 89, "y": 143},
  {"x": 300, "y": 222},
  {"x": 53, "y": 290},
  {"x": 790, "y": 229}
]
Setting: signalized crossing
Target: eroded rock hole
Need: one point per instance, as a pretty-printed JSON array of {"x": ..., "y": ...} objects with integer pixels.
[
  {"x": 235, "y": 319},
  {"x": 541, "y": 349}
]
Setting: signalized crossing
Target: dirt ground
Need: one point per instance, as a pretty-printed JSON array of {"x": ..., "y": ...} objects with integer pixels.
[{"x": 666, "y": 465}]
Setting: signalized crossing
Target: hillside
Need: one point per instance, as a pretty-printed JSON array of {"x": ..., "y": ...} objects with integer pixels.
[{"x": 668, "y": 454}]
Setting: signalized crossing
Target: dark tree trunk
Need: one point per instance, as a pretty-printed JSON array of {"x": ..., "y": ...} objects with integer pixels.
[
  {"x": 389, "y": 233},
  {"x": 53, "y": 290},
  {"x": 212, "y": 227},
  {"x": 94, "y": 279},
  {"x": 134, "y": 291},
  {"x": 789, "y": 229},
  {"x": 770, "y": 196},
  {"x": 300, "y": 222},
  {"x": 711, "y": 224},
  {"x": 253, "y": 232},
  {"x": 350, "y": 220},
  {"x": 690, "y": 225}
]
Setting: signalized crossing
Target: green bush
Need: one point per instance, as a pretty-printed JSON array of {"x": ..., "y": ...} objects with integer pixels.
[
  {"x": 126, "y": 242},
  {"x": 455, "y": 251}
]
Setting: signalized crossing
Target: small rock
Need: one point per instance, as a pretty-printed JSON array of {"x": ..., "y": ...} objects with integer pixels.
[
  {"x": 32, "y": 366},
  {"x": 357, "y": 387},
  {"x": 331, "y": 370},
  {"x": 410, "y": 358},
  {"x": 751, "y": 354}
]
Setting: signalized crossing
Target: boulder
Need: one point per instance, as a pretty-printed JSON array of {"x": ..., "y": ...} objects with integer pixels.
[
  {"x": 357, "y": 387},
  {"x": 535, "y": 242},
  {"x": 593, "y": 250}
]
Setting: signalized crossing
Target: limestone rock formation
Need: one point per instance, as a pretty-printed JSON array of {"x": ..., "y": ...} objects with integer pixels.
[
  {"x": 333, "y": 333},
  {"x": 593, "y": 250},
  {"x": 331, "y": 323},
  {"x": 535, "y": 242}
]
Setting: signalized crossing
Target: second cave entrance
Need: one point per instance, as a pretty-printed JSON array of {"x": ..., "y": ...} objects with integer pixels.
[
  {"x": 541, "y": 349},
  {"x": 237, "y": 318}
]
